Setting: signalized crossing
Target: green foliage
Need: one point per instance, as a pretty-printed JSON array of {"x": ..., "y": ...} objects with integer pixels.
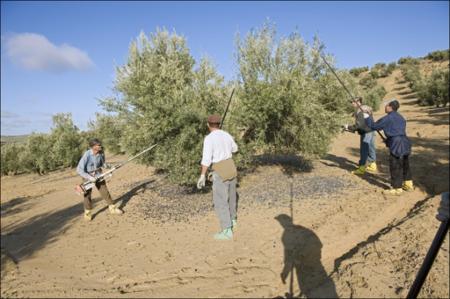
[
  {"x": 42, "y": 153},
  {"x": 381, "y": 70},
  {"x": 431, "y": 90},
  {"x": 373, "y": 96},
  {"x": 289, "y": 102},
  {"x": 109, "y": 129},
  {"x": 367, "y": 82},
  {"x": 38, "y": 154},
  {"x": 164, "y": 100},
  {"x": 435, "y": 89},
  {"x": 10, "y": 158},
  {"x": 408, "y": 60},
  {"x": 439, "y": 55},
  {"x": 412, "y": 75},
  {"x": 67, "y": 143},
  {"x": 358, "y": 70}
]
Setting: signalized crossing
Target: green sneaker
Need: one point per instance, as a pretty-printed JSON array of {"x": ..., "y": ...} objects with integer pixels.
[
  {"x": 226, "y": 234},
  {"x": 234, "y": 224}
]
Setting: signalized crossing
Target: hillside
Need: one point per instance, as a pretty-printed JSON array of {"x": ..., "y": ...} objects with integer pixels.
[{"x": 349, "y": 240}]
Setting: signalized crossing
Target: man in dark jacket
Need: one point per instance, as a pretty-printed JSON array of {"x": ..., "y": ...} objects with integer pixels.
[{"x": 394, "y": 127}]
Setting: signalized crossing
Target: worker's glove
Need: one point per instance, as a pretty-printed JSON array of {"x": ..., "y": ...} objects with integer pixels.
[
  {"x": 345, "y": 127},
  {"x": 107, "y": 166},
  {"x": 366, "y": 115},
  {"x": 443, "y": 210},
  {"x": 92, "y": 179},
  {"x": 201, "y": 182}
]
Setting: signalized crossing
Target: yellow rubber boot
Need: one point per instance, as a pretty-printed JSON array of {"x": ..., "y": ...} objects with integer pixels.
[
  {"x": 396, "y": 191},
  {"x": 360, "y": 170},
  {"x": 408, "y": 185},
  {"x": 87, "y": 215},
  {"x": 372, "y": 167},
  {"x": 114, "y": 210}
]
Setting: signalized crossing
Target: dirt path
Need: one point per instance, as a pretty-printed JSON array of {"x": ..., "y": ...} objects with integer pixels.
[{"x": 347, "y": 238}]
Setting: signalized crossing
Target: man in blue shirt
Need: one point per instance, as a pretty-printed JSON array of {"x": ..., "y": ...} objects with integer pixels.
[
  {"x": 89, "y": 168},
  {"x": 394, "y": 127}
]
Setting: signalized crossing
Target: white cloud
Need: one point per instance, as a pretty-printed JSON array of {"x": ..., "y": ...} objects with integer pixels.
[{"x": 35, "y": 52}]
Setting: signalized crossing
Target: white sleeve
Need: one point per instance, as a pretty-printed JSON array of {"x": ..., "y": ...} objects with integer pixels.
[
  {"x": 234, "y": 147},
  {"x": 207, "y": 153}
]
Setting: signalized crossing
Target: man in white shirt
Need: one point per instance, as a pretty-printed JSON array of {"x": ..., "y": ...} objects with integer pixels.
[{"x": 218, "y": 148}]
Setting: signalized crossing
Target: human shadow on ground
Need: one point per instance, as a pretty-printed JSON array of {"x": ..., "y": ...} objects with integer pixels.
[
  {"x": 344, "y": 163},
  {"x": 125, "y": 198},
  {"x": 25, "y": 238},
  {"x": 302, "y": 258}
]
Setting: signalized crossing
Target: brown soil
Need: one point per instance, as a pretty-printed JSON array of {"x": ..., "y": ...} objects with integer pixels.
[{"x": 348, "y": 239}]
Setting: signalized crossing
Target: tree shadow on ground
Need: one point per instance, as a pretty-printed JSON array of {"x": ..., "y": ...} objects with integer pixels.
[
  {"x": 24, "y": 239},
  {"x": 435, "y": 110},
  {"x": 302, "y": 258},
  {"x": 398, "y": 88},
  {"x": 344, "y": 163},
  {"x": 405, "y": 92},
  {"x": 125, "y": 198},
  {"x": 290, "y": 163},
  {"x": 438, "y": 120},
  {"x": 15, "y": 206},
  {"x": 411, "y": 96},
  {"x": 429, "y": 164}
]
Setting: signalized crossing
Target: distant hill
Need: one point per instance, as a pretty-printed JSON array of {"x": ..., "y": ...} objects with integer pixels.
[{"x": 13, "y": 138}]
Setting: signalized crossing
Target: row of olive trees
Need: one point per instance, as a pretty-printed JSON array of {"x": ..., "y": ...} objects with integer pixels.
[
  {"x": 42, "y": 153},
  {"x": 430, "y": 90},
  {"x": 286, "y": 101}
]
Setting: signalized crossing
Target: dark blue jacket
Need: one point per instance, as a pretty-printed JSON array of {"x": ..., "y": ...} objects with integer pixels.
[{"x": 394, "y": 127}]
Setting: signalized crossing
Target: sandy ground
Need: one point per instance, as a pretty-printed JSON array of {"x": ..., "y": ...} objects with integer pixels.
[{"x": 330, "y": 233}]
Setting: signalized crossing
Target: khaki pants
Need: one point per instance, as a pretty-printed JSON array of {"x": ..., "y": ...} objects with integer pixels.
[{"x": 101, "y": 186}]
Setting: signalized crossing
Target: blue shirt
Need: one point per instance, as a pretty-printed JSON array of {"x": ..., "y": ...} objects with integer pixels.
[
  {"x": 394, "y": 127},
  {"x": 90, "y": 164}
]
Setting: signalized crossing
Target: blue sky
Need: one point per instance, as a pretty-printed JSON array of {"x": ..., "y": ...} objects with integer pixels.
[{"x": 61, "y": 56}]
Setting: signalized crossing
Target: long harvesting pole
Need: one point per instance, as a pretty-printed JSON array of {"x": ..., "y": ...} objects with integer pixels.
[{"x": 348, "y": 91}]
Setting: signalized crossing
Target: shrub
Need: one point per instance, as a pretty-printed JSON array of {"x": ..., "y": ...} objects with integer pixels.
[
  {"x": 67, "y": 142},
  {"x": 412, "y": 75},
  {"x": 38, "y": 155},
  {"x": 373, "y": 96},
  {"x": 435, "y": 89},
  {"x": 439, "y": 55},
  {"x": 358, "y": 70},
  {"x": 367, "y": 82},
  {"x": 10, "y": 158},
  {"x": 109, "y": 129},
  {"x": 408, "y": 60}
]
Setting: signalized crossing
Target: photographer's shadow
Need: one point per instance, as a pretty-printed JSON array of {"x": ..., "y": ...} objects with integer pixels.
[{"x": 302, "y": 256}]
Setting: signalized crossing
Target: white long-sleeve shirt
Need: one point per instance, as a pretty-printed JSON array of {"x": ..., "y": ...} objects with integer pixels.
[{"x": 218, "y": 146}]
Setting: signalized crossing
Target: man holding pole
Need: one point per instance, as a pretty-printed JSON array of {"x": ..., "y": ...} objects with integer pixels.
[
  {"x": 89, "y": 167},
  {"x": 367, "y": 149},
  {"x": 218, "y": 148}
]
